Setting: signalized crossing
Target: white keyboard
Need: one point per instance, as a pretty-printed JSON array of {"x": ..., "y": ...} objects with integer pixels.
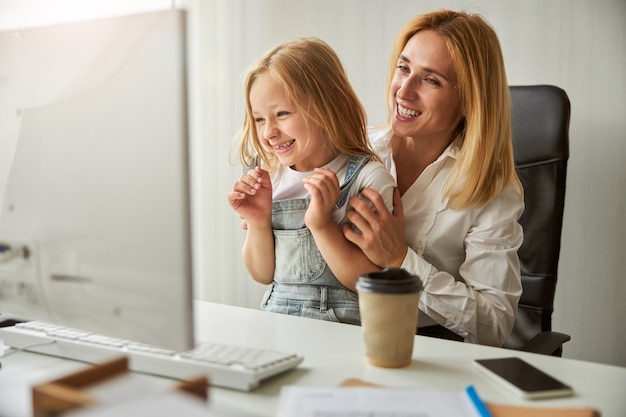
[{"x": 237, "y": 367}]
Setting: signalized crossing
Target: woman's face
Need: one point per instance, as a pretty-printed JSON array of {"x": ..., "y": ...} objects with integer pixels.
[
  {"x": 424, "y": 90},
  {"x": 282, "y": 129}
]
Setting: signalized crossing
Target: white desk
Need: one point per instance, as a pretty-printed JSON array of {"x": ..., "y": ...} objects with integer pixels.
[{"x": 334, "y": 352}]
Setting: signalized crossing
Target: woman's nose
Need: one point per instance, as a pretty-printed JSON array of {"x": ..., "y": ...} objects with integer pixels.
[{"x": 409, "y": 88}]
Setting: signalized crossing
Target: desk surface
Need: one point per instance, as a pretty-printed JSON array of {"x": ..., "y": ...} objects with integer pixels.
[{"x": 334, "y": 352}]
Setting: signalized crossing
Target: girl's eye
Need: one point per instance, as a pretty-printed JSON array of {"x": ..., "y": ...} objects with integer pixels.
[
  {"x": 259, "y": 120},
  {"x": 282, "y": 113}
]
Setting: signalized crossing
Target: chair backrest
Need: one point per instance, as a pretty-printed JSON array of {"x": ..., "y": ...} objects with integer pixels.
[{"x": 540, "y": 124}]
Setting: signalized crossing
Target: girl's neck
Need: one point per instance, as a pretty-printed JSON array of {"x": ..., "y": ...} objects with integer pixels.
[{"x": 324, "y": 159}]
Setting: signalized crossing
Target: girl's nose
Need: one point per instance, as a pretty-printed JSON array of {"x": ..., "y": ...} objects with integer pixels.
[{"x": 270, "y": 131}]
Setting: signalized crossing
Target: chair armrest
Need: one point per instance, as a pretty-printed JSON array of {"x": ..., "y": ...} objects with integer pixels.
[{"x": 547, "y": 343}]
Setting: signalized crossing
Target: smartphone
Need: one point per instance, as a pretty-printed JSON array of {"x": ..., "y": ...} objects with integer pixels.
[{"x": 524, "y": 378}]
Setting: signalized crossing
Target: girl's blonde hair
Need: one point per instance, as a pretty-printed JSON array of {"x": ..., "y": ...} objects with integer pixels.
[
  {"x": 485, "y": 165},
  {"x": 316, "y": 84}
]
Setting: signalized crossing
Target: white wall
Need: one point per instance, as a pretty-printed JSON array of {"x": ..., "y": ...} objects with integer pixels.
[{"x": 575, "y": 44}]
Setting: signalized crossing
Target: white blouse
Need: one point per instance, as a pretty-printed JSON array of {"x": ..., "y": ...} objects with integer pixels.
[{"x": 467, "y": 259}]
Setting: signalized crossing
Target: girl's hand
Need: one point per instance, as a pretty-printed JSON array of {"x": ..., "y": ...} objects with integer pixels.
[
  {"x": 251, "y": 196},
  {"x": 324, "y": 188},
  {"x": 380, "y": 233}
]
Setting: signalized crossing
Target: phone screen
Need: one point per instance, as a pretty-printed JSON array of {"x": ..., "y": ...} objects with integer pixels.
[{"x": 524, "y": 378}]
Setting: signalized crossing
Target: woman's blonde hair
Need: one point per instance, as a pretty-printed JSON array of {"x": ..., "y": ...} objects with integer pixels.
[
  {"x": 316, "y": 84},
  {"x": 485, "y": 165}
]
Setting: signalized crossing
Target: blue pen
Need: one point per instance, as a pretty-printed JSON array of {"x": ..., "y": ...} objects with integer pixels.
[{"x": 481, "y": 407}]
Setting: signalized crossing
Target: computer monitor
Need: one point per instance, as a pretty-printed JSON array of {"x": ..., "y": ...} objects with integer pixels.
[{"x": 95, "y": 220}]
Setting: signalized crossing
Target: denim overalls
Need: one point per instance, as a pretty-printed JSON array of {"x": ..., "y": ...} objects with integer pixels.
[{"x": 303, "y": 283}]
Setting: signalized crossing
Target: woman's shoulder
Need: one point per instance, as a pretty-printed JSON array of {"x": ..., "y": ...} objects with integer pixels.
[
  {"x": 509, "y": 202},
  {"x": 380, "y": 138},
  {"x": 378, "y": 134}
]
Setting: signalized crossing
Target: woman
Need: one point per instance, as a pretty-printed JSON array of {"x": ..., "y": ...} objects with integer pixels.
[{"x": 455, "y": 221}]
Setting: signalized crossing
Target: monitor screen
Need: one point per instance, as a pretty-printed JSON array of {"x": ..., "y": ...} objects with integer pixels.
[{"x": 95, "y": 222}]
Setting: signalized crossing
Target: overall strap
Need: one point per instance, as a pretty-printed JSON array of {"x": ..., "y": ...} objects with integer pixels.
[{"x": 354, "y": 165}]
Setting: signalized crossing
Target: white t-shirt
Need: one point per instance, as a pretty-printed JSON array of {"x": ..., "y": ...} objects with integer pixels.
[{"x": 287, "y": 183}]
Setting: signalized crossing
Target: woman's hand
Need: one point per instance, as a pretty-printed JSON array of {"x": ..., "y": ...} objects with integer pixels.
[
  {"x": 324, "y": 188},
  {"x": 251, "y": 197},
  {"x": 380, "y": 233}
]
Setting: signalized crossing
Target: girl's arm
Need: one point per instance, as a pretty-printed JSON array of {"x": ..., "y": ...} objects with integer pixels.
[
  {"x": 344, "y": 258},
  {"x": 258, "y": 252},
  {"x": 251, "y": 198}
]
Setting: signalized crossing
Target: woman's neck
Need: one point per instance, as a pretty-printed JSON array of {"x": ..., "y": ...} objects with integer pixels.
[{"x": 412, "y": 156}]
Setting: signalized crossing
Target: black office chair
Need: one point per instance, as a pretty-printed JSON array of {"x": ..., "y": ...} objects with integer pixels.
[{"x": 540, "y": 123}]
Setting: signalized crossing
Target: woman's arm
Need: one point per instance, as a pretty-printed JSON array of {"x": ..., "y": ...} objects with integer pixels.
[
  {"x": 380, "y": 233},
  {"x": 480, "y": 305}
]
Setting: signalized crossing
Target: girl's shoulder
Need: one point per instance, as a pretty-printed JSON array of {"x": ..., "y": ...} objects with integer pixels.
[{"x": 374, "y": 174}]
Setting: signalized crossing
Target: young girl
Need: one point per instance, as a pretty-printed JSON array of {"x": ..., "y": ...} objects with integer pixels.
[{"x": 305, "y": 138}]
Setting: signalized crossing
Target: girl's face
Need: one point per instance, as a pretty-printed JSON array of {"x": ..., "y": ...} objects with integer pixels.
[
  {"x": 423, "y": 89},
  {"x": 282, "y": 129}
]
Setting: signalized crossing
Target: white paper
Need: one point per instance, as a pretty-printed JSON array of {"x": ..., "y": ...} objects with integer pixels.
[{"x": 373, "y": 402}]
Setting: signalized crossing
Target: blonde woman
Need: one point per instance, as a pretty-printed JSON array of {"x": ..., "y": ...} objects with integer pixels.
[
  {"x": 305, "y": 135},
  {"x": 448, "y": 144}
]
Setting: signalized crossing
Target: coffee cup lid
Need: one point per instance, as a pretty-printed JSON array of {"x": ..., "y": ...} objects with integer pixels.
[{"x": 389, "y": 281}]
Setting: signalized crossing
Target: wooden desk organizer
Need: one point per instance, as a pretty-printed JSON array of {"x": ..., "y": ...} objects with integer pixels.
[{"x": 68, "y": 393}]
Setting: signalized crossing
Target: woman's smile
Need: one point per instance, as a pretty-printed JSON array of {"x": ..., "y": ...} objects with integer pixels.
[{"x": 406, "y": 112}]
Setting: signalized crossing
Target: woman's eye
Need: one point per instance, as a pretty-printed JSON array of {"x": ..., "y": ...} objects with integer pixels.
[
  {"x": 432, "y": 81},
  {"x": 402, "y": 68}
]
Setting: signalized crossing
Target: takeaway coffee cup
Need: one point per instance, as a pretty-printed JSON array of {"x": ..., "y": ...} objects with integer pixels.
[{"x": 388, "y": 302}]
